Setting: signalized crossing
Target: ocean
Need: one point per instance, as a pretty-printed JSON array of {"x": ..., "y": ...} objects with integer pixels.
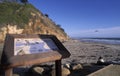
[{"x": 115, "y": 41}]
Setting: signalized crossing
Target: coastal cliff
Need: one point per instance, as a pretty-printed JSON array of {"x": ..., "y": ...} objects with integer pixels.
[{"x": 16, "y": 18}]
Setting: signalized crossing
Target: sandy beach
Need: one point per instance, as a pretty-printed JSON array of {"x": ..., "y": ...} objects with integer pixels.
[{"x": 89, "y": 52}]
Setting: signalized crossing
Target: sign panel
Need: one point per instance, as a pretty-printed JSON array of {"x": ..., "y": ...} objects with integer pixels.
[{"x": 35, "y": 45}]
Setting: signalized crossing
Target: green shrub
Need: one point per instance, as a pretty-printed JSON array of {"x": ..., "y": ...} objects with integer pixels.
[{"x": 15, "y": 13}]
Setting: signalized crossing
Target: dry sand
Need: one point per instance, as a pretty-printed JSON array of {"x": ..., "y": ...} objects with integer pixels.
[{"x": 89, "y": 52}]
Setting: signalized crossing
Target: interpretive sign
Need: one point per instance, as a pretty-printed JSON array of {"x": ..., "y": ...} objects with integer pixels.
[
  {"x": 32, "y": 46},
  {"x": 30, "y": 49}
]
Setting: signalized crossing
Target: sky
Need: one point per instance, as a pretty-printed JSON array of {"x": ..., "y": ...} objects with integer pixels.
[{"x": 83, "y": 18}]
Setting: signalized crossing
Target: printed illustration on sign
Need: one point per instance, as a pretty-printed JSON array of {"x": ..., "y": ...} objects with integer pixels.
[{"x": 31, "y": 46}]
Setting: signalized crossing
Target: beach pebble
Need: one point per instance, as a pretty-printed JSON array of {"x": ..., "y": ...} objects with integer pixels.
[
  {"x": 38, "y": 70},
  {"x": 76, "y": 66},
  {"x": 67, "y": 65},
  {"x": 65, "y": 72}
]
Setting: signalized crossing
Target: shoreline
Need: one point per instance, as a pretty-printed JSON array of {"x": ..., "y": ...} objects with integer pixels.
[{"x": 106, "y": 41}]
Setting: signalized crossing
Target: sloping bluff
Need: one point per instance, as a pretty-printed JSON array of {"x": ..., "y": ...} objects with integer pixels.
[{"x": 18, "y": 18}]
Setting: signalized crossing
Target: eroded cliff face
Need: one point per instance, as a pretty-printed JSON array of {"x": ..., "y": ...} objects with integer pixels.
[{"x": 37, "y": 24}]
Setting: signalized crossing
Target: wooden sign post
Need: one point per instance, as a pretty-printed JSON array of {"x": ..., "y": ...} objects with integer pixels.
[{"x": 27, "y": 49}]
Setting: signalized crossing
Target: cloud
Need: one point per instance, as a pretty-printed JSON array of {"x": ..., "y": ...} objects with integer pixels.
[{"x": 103, "y": 32}]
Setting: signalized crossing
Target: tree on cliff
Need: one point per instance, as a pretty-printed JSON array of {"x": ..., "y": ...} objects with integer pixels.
[
  {"x": 24, "y": 1},
  {"x": 46, "y": 15}
]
